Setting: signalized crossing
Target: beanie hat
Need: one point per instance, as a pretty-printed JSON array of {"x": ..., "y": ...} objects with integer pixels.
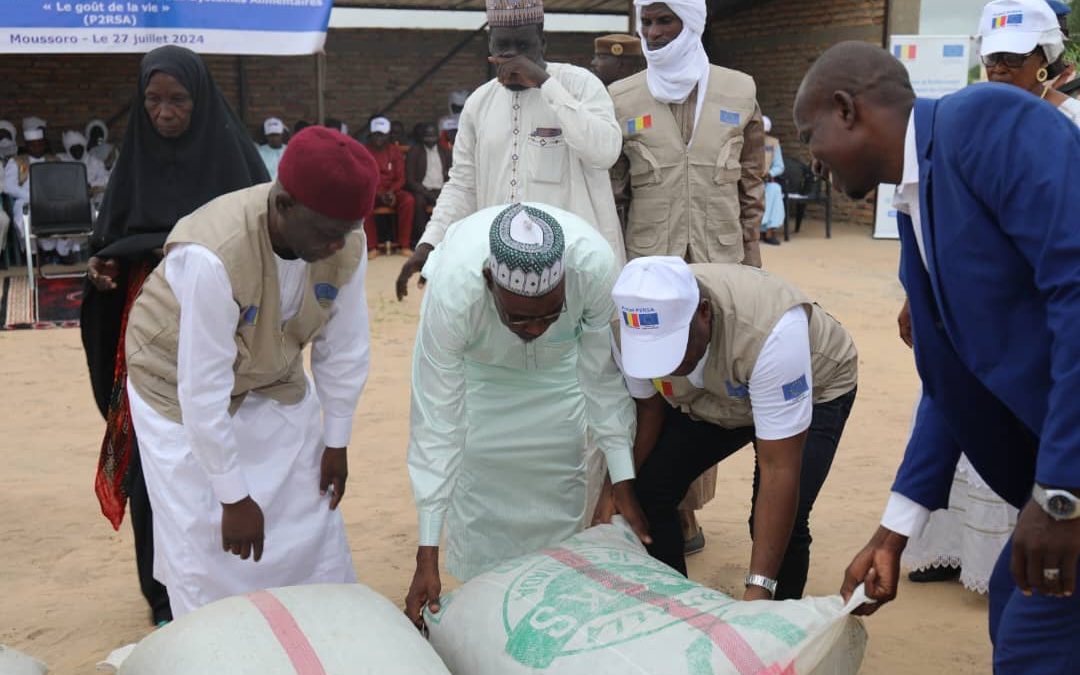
[{"x": 330, "y": 173}]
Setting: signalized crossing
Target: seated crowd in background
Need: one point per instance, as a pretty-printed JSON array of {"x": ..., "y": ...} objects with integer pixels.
[
  {"x": 91, "y": 148},
  {"x": 414, "y": 170}
]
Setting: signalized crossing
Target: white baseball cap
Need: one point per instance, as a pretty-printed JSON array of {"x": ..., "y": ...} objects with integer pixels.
[
  {"x": 380, "y": 125},
  {"x": 1018, "y": 27},
  {"x": 33, "y": 135},
  {"x": 656, "y": 298},
  {"x": 273, "y": 125}
]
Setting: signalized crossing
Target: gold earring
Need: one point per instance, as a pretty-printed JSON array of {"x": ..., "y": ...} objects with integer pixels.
[{"x": 1042, "y": 75}]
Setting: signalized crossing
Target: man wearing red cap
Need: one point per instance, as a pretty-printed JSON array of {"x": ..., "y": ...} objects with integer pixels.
[{"x": 245, "y": 456}]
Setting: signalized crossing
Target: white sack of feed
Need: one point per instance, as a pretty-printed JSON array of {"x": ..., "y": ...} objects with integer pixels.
[
  {"x": 329, "y": 629},
  {"x": 13, "y": 662},
  {"x": 600, "y": 605}
]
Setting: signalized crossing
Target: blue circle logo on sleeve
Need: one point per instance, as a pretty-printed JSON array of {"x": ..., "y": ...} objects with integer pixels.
[{"x": 325, "y": 293}]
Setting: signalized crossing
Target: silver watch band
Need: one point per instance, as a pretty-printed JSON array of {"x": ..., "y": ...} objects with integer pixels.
[
  {"x": 762, "y": 581},
  {"x": 1058, "y": 504}
]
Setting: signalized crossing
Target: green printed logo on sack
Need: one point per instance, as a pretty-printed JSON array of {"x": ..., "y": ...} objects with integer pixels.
[{"x": 575, "y": 601}]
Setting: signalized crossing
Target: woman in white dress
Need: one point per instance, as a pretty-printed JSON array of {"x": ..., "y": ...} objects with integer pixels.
[{"x": 965, "y": 540}]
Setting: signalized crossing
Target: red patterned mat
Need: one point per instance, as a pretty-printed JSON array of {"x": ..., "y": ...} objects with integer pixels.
[{"x": 59, "y": 300}]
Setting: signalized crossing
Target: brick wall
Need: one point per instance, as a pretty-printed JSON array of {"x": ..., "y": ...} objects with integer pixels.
[
  {"x": 776, "y": 42},
  {"x": 366, "y": 70}
]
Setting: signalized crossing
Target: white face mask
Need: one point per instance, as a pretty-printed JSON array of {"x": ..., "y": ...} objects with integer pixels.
[{"x": 7, "y": 147}]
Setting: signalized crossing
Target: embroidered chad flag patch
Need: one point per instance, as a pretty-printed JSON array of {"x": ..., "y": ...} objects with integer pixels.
[
  {"x": 641, "y": 319},
  {"x": 1002, "y": 20},
  {"x": 638, "y": 124},
  {"x": 664, "y": 387}
]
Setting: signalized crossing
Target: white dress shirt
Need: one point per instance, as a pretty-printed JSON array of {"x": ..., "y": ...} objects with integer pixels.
[
  {"x": 340, "y": 357},
  {"x": 902, "y": 515},
  {"x": 433, "y": 177},
  {"x": 552, "y": 145}
]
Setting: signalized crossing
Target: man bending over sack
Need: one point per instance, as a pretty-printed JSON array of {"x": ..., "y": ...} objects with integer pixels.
[
  {"x": 243, "y": 458},
  {"x": 512, "y": 368},
  {"x": 719, "y": 356}
]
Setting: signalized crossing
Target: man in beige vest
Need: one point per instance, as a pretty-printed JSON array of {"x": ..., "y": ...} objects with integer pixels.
[
  {"x": 693, "y": 138},
  {"x": 735, "y": 356},
  {"x": 692, "y": 164},
  {"x": 244, "y": 457}
]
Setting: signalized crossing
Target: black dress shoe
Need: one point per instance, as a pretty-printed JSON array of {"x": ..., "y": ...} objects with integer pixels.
[
  {"x": 935, "y": 574},
  {"x": 771, "y": 241}
]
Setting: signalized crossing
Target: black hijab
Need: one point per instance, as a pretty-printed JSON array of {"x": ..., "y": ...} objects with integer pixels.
[{"x": 157, "y": 180}]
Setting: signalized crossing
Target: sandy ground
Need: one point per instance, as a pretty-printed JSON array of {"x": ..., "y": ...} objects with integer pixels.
[{"x": 68, "y": 590}]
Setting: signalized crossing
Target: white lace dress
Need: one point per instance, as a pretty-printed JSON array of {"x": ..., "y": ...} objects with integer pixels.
[{"x": 969, "y": 534}]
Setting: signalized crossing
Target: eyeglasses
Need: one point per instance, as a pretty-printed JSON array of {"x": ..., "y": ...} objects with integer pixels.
[
  {"x": 517, "y": 324},
  {"x": 1008, "y": 58}
]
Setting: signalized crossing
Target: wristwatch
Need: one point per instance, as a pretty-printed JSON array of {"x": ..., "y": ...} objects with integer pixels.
[
  {"x": 761, "y": 580},
  {"x": 1060, "y": 504}
]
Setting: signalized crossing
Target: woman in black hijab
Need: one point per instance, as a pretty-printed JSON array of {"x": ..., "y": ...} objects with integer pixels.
[{"x": 184, "y": 146}]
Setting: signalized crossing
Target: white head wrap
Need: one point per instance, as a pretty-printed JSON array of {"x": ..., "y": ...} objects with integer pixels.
[
  {"x": 681, "y": 65},
  {"x": 72, "y": 138},
  {"x": 98, "y": 124},
  {"x": 8, "y": 147},
  {"x": 767, "y": 123}
]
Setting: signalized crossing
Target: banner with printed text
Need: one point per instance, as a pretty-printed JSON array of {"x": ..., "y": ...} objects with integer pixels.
[
  {"x": 937, "y": 65},
  {"x": 271, "y": 27}
]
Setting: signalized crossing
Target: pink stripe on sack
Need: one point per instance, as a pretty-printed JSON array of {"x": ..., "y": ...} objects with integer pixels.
[
  {"x": 304, "y": 659},
  {"x": 735, "y": 648}
]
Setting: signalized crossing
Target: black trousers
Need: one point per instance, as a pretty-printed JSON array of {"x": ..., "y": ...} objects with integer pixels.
[
  {"x": 420, "y": 216},
  {"x": 142, "y": 524},
  {"x": 687, "y": 447}
]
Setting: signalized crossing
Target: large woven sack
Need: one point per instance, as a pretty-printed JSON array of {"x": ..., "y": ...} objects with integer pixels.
[
  {"x": 331, "y": 629},
  {"x": 600, "y": 605},
  {"x": 16, "y": 663}
]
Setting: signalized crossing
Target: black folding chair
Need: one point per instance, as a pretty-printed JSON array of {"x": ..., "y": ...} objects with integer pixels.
[
  {"x": 802, "y": 187},
  {"x": 59, "y": 209}
]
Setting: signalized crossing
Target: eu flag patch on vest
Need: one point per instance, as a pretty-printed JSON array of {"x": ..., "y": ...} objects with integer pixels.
[
  {"x": 736, "y": 390},
  {"x": 795, "y": 389},
  {"x": 325, "y": 293},
  {"x": 730, "y": 117},
  {"x": 250, "y": 315}
]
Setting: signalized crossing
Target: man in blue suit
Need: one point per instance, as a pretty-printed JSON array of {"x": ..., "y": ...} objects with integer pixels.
[{"x": 991, "y": 264}]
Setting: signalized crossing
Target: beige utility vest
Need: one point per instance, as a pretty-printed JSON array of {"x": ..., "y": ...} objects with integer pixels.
[
  {"x": 685, "y": 200},
  {"x": 771, "y": 144},
  {"x": 746, "y": 304},
  {"x": 269, "y": 352}
]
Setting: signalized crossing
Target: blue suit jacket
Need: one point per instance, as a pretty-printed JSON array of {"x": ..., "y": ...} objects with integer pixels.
[{"x": 996, "y": 309}]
